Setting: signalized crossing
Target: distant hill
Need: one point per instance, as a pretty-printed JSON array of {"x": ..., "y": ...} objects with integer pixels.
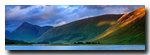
[
  {"x": 81, "y": 30},
  {"x": 27, "y": 32},
  {"x": 129, "y": 29}
]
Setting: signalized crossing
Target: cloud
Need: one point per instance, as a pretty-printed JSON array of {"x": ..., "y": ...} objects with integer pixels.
[
  {"x": 21, "y": 6},
  {"x": 61, "y": 23},
  {"x": 56, "y": 24},
  {"x": 33, "y": 13},
  {"x": 120, "y": 9},
  {"x": 96, "y": 6},
  {"x": 129, "y": 8},
  {"x": 11, "y": 26},
  {"x": 56, "y": 15},
  {"x": 15, "y": 14},
  {"x": 24, "y": 6}
]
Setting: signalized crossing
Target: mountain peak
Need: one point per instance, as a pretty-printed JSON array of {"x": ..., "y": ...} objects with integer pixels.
[
  {"x": 27, "y": 32},
  {"x": 25, "y": 23}
]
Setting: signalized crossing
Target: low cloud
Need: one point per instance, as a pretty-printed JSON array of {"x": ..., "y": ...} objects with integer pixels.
[
  {"x": 61, "y": 23},
  {"x": 96, "y": 6},
  {"x": 56, "y": 24}
]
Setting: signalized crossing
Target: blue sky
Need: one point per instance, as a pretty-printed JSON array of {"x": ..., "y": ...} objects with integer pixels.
[{"x": 56, "y": 15}]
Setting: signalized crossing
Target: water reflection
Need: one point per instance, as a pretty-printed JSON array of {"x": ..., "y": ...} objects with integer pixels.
[{"x": 82, "y": 47}]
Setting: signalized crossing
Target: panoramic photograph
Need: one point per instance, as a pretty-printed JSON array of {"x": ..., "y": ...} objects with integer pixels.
[{"x": 75, "y": 27}]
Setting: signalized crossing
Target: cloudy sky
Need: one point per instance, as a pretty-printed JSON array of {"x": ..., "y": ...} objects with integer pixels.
[{"x": 56, "y": 15}]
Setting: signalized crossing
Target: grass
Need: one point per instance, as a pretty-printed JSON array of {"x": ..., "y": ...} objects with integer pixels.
[
  {"x": 132, "y": 32},
  {"x": 81, "y": 30}
]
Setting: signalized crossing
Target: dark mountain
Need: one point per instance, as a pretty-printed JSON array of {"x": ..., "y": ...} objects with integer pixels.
[
  {"x": 27, "y": 32},
  {"x": 129, "y": 29},
  {"x": 81, "y": 30},
  {"x": 7, "y": 32},
  {"x": 7, "y": 41}
]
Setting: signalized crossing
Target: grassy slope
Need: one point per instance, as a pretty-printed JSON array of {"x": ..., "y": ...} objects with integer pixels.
[
  {"x": 126, "y": 35},
  {"x": 80, "y": 30},
  {"x": 132, "y": 33}
]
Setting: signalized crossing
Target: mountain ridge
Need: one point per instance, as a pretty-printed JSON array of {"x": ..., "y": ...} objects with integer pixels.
[
  {"x": 78, "y": 30},
  {"x": 126, "y": 28},
  {"x": 129, "y": 25},
  {"x": 27, "y": 32}
]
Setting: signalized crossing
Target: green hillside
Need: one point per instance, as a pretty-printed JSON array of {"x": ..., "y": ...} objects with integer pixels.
[
  {"x": 27, "y": 32},
  {"x": 106, "y": 29},
  {"x": 129, "y": 29},
  {"x": 81, "y": 30}
]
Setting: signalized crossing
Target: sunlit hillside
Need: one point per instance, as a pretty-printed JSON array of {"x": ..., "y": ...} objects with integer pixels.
[{"x": 130, "y": 28}]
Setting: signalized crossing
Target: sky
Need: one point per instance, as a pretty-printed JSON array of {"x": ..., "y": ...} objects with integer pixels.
[{"x": 57, "y": 15}]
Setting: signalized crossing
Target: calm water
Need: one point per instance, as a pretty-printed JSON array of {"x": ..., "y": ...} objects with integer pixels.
[{"x": 80, "y": 47}]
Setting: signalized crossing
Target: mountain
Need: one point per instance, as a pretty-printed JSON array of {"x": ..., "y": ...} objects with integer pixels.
[
  {"x": 7, "y": 32},
  {"x": 7, "y": 41},
  {"x": 27, "y": 32},
  {"x": 129, "y": 29},
  {"x": 126, "y": 28},
  {"x": 81, "y": 30}
]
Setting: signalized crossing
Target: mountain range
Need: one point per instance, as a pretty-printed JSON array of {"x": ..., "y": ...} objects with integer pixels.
[
  {"x": 126, "y": 28},
  {"x": 81, "y": 30},
  {"x": 27, "y": 32}
]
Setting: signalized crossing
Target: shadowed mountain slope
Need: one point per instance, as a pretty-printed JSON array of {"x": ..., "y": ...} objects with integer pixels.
[{"x": 27, "y": 32}]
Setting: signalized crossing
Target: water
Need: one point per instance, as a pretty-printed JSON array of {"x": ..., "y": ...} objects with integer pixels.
[{"x": 80, "y": 47}]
